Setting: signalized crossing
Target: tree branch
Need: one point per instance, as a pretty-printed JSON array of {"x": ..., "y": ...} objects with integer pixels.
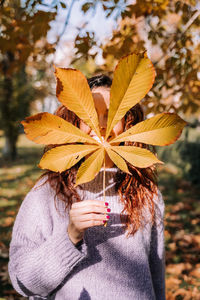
[
  {"x": 66, "y": 22},
  {"x": 172, "y": 42}
]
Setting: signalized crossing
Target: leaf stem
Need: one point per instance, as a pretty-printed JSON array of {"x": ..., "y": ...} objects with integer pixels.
[{"x": 104, "y": 181}]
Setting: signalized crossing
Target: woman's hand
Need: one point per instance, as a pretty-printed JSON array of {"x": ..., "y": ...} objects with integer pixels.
[{"x": 85, "y": 214}]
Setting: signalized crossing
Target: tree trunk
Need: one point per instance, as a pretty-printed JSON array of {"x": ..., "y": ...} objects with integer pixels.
[
  {"x": 10, "y": 149},
  {"x": 8, "y": 123}
]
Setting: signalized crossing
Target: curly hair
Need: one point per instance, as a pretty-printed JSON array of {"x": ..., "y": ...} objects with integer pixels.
[{"x": 136, "y": 191}]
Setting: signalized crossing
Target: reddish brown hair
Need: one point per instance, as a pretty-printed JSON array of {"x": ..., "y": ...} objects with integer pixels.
[{"x": 136, "y": 191}]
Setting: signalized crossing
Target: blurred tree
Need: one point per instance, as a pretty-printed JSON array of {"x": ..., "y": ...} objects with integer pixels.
[
  {"x": 23, "y": 31},
  {"x": 14, "y": 99},
  {"x": 169, "y": 30}
]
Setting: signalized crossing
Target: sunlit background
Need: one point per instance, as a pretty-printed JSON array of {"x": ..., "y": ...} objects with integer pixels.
[{"x": 92, "y": 36}]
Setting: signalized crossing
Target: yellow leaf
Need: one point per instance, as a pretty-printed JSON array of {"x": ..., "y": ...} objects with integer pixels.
[
  {"x": 161, "y": 130},
  {"x": 118, "y": 160},
  {"x": 138, "y": 157},
  {"x": 133, "y": 78},
  {"x": 61, "y": 158},
  {"x": 74, "y": 92},
  {"x": 90, "y": 167},
  {"x": 45, "y": 128}
]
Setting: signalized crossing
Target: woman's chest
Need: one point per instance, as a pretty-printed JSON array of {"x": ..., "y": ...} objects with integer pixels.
[{"x": 113, "y": 238}]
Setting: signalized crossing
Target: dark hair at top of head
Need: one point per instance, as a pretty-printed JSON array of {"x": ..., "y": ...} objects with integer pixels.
[{"x": 99, "y": 80}]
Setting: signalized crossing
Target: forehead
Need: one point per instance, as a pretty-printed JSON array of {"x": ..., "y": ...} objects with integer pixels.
[{"x": 101, "y": 96}]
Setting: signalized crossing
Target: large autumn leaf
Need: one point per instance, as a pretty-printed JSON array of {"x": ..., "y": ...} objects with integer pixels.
[
  {"x": 90, "y": 167},
  {"x": 117, "y": 159},
  {"x": 137, "y": 156},
  {"x": 133, "y": 78},
  {"x": 161, "y": 130},
  {"x": 45, "y": 128},
  {"x": 74, "y": 92},
  {"x": 64, "y": 157}
]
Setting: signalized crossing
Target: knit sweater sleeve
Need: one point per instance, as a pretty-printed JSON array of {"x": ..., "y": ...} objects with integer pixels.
[
  {"x": 38, "y": 264},
  {"x": 157, "y": 251}
]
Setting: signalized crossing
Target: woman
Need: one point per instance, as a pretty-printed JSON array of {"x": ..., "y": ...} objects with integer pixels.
[{"x": 60, "y": 248}]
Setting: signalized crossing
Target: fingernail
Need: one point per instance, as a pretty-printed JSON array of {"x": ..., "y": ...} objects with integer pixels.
[
  {"x": 104, "y": 221},
  {"x": 106, "y": 203},
  {"x": 108, "y": 217},
  {"x": 108, "y": 209}
]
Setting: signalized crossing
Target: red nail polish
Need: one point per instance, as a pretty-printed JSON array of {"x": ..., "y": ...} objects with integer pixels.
[
  {"x": 108, "y": 209},
  {"x": 104, "y": 221},
  {"x": 106, "y": 203},
  {"x": 108, "y": 217}
]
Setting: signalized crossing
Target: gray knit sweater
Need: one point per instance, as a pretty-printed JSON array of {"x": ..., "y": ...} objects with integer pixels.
[{"x": 45, "y": 264}]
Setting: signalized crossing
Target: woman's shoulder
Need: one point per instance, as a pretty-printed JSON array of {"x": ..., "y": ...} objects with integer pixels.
[
  {"x": 39, "y": 195},
  {"x": 41, "y": 187},
  {"x": 41, "y": 183},
  {"x": 159, "y": 201},
  {"x": 34, "y": 213},
  {"x": 159, "y": 207}
]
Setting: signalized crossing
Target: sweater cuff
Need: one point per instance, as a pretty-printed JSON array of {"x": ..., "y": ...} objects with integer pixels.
[
  {"x": 44, "y": 268},
  {"x": 79, "y": 245},
  {"x": 69, "y": 253}
]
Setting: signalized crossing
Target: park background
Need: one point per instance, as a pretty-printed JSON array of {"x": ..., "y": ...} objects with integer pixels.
[{"x": 92, "y": 36}]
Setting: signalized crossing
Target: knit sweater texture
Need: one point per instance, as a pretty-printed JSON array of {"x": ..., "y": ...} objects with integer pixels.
[{"x": 45, "y": 264}]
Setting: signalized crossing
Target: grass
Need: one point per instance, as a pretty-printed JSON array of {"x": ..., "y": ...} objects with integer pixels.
[{"x": 182, "y": 227}]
